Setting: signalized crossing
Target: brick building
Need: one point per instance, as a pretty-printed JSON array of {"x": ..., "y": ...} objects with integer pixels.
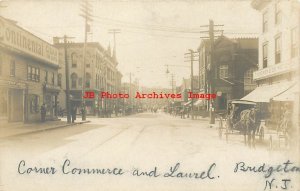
[
  {"x": 101, "y": 74},
  {"x": 28, "y": 74}
]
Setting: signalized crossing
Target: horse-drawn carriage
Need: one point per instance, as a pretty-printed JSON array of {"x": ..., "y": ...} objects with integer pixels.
[{"x": 241, "y": 117}]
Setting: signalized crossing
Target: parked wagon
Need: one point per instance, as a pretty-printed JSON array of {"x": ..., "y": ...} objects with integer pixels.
[{"x": 242, "y": 118}]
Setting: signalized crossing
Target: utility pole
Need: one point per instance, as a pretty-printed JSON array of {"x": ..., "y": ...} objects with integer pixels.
[
  {"x": 86, "y": 14},
  {"x": 211, "y": 65},
  {"x": 192, "y": 54},
  {"x": 67, "y": 73},
  {"x": 172, "y": 82},
  {"x": 114, "y": 32}
]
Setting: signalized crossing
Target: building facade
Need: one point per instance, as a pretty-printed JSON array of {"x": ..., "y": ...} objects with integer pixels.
[
  {"x": 101, "y": 75},
  {"x": 28, "y": 75},
  {"x": 230, "y": 74},
  {"x": 278, "y": 56}
]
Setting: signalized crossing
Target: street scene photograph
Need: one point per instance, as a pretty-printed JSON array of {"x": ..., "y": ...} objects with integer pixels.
[{"x": 152, "y": 95}]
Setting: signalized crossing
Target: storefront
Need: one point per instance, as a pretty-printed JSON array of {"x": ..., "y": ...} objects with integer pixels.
[{"x": 273, "y": 99}]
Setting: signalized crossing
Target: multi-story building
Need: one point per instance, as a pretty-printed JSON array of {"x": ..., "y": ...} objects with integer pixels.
[
  {"x": 278, "y": 54},
  {"x": 101, "y": 75},
  {"x": 28, "y": 75},
  {"x": 230, "y": 74}
]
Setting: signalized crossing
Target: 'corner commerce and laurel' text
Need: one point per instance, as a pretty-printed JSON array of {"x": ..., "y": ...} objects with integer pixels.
[{"x": 153, "y": 95}]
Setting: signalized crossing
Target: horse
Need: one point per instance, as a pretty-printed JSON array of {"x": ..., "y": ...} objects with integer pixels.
[{"x": 248, "y": 126}]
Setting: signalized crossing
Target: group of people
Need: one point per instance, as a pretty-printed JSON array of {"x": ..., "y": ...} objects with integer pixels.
[{"x": 60, "y": 111}]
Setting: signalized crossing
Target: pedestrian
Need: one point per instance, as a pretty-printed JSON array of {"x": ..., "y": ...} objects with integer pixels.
[
  {"x": 73, "y": 114},
  {"x": 43, "y": 113}
]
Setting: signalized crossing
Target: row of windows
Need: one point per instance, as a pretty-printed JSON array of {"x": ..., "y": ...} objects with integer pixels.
[
  {"x": 278, "y": 48},
  {"x": 33, "y": 73},
  {"x": 277, "y": 19},
  {"x": 74, "y": 79}
]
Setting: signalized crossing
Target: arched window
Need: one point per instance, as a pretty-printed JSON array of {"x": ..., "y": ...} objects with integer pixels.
[
  {"x": 73, "y": 80},
  {"x": 74, "y": 60},
  {"x": 59, "y": 76},
  {"x": 88, "y": 80}
]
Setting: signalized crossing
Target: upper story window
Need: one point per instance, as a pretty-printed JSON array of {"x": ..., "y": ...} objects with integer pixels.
[
  {"x": 12, "y": 68},
  {"x": 248, "y": 77},
  {"x": 33, "y": 73},
  {"x": 74, "y": 60},
  {"x": 52, "y": 78},
  {"x": 277, "y": 49},
  {"x": 294, "y": 43},
  {"x": 277, "y": 13},
  {"x": 265, "y": 55},
  {"x": 73, "y": 80},
  {"x": 59, "y": 79},
  {"x": 46, "y": 76},
  {"x": 265, "y": 22},
  {"x": 223, "y": 71}
]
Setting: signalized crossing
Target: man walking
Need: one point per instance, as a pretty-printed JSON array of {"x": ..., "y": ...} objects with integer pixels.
[{"x": 43, "y": 113}]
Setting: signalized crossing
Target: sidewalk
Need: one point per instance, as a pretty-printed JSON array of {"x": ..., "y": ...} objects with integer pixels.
[{"x": 19, "y": 128}]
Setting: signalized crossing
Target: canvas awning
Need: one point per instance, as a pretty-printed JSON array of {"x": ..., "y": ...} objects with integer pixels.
[
  {"x": 288, "y": 95},
  {"x": 267, "y": 92}
]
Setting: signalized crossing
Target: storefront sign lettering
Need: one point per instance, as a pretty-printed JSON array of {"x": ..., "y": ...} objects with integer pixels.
[{"x": 16, "y": 37}]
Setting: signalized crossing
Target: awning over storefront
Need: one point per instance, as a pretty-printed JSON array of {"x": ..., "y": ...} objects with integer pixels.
[
  {"x": 267, "y": 92},
  {"x": 288, "y": 95}
]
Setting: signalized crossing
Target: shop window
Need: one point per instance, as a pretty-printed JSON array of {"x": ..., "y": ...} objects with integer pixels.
[
  {"x": 265, "y": 55},
  {"x": 34, "y": 103},
  {"x": 12, "y": 68},
  {"x": 73, "y": 80},
  {"x": 294, "y": 42},
  {"x": 223, "y": 71},
  {"x": 88, "y": 80},
  {"x": 277, "y": 49},
  {"x": 265, "y": 22},
  {"x": 74, "y": 60},
  {"x": 59, "y": 76}
]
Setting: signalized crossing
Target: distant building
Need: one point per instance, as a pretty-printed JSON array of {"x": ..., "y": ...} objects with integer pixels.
[
  {"x": 28, "y": 75},
  {"x": 101, "y": 75},
  {"x": 230, "y": 74}
]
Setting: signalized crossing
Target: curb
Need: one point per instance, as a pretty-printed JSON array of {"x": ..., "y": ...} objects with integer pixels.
[{"x": 47, "y": 129}]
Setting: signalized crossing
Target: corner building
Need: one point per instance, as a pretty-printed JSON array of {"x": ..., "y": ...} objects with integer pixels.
[{"x": 28, "y": 75}]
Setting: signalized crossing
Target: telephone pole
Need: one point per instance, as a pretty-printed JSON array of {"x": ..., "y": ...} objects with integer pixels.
[
  {"x": 114, "y": 32},
  {"x": 211, "y": 65},
  {"x": 67, "y": 73},
  {"x": 192, "y": 54},
  {"x": 86, "y": 10}
]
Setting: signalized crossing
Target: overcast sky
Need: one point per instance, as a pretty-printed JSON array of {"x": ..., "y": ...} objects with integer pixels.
[{"x": 153, "y": 33}]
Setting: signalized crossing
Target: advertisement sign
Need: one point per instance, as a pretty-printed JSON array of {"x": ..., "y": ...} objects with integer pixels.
[{"x": 19, "y": 39}]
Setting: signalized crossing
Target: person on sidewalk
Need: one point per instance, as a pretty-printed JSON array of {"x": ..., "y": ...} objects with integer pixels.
[
  {"x": 73, "y": 114},
  {"x": 43, "y": 113}
]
